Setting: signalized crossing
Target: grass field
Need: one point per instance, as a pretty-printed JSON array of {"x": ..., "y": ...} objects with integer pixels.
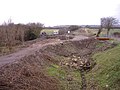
[
  {"x": 104, "y": 31},
  {"x": 91, "y": 32}
]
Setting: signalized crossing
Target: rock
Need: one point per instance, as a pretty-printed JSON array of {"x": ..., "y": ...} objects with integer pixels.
[
  {"x": 81, "y": 65},
  {"x": 66, "y": 64},
  {"x": 68, "y": 58},
  {"x": 72, "y": 59},
  {"x": 85, "y": 61},
  {"x": 81, "y": 62},
  {"x": 79, "y": 57},
  {"x": 106, "y": 85},
  {"x": 74, "y": 56},
  {"x": 74, "y": 64},
  {"x": 69, "y": 78},
  {"x": 75, "y": 59}
]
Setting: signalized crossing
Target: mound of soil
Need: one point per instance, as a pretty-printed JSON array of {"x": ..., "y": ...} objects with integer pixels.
[
  {"x": 28, "y": 73},
  {"x": 82, "y": 48}
]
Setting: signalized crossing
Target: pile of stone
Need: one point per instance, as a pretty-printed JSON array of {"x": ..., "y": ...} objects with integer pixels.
[{"x": 77, "y": 62}]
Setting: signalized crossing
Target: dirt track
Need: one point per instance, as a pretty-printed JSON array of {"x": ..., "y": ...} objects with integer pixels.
[{"x": 31, "y": 49}]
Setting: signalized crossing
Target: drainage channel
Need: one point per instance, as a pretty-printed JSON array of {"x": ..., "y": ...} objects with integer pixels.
[{"x": 82, "y": 65}]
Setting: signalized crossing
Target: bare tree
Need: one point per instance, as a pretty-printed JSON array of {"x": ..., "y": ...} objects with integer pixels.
[
  {"x": 108, "y": 23},
  {"x": 99, "y": 31},
  {"x": 13, "y": 34}
]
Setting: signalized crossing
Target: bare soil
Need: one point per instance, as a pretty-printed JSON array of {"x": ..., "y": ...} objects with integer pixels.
[
  {"x": 25, "y": 69},
  {"x": 31, "y": 49}
]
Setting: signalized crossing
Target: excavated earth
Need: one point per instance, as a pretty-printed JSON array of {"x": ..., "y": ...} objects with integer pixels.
[{"x": 28, "y": 73}]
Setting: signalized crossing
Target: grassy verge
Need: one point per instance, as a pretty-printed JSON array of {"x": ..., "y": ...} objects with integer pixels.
[{"x": 107, "y": 71}]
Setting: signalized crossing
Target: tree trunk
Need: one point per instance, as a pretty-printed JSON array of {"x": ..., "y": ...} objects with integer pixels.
[
  {"x": 108, "y": 32},
  {"x": 99, "y": 31}
]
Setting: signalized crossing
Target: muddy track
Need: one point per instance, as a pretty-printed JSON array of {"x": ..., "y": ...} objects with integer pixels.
[{"x": 32, "y": 48}]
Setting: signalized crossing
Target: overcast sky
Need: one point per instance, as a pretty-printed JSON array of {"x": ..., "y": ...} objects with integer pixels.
[{"x": 58, "y": 12}]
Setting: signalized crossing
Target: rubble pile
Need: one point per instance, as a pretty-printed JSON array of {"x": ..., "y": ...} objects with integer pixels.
[{"x": 77, "y": 62}]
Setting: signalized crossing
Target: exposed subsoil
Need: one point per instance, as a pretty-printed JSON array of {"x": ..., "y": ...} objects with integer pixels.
[
  {"x": 24, "y": 70},
  {"x": 31, "y": 48}
]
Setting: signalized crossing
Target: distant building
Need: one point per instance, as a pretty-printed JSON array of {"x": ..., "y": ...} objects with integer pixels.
[
  {"x": 55, "y": 32},
  {"x": 50, "y": 31},
  {"x": 68, "y": 32}
]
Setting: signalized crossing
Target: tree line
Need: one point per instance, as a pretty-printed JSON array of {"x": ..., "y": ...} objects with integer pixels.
[{"x": 13, "y": 34}]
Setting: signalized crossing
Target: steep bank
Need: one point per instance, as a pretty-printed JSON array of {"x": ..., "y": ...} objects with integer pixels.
[{"x": 106, "y": 74}]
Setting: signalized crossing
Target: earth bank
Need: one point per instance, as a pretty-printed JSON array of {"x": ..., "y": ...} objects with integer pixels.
[{"x": 52, "y": 67}]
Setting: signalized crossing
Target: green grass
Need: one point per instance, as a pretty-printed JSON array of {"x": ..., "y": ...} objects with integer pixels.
[
  {"x": 107, "y": 70},
  {"x": 55, "y": 70},
  {"x": 105, "y": 75},
  {"x": 62, "y": 75},
  {"x": 100, "y": 45}
]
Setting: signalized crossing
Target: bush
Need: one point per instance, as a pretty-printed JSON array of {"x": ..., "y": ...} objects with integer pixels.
[
  {"x": 73, "y": 27},
  {"x": 10, "y": 33},
  {"x": 116, "y": 34},
  {"x": 30, "y": 35}
]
